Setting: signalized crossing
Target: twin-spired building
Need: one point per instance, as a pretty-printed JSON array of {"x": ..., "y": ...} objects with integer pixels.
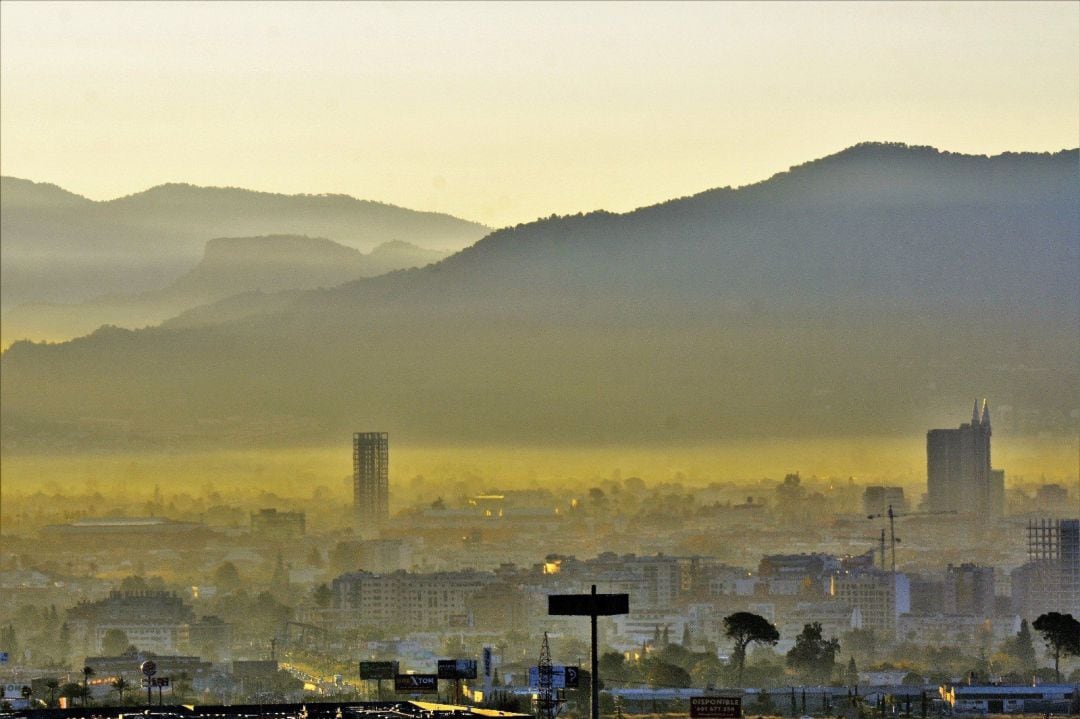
[{"x": 958, "y": 472}]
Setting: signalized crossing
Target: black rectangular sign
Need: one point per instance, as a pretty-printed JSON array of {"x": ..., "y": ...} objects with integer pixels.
[
  {"x": 588, "y": 604},
  {"x": 715, "y": 707},
  {"x": 457, "y": 669},
  {"x": 416, "y": 683},
  {"x": 378, "y": 670}
]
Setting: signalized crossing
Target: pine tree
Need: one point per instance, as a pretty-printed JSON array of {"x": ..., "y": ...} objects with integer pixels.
[
  {"x": 852, "y": 674},
  {"x": 686, "y": 638}
]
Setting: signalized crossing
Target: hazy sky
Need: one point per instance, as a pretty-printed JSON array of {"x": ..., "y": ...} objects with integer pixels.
[{"x": 503, "y": 113}]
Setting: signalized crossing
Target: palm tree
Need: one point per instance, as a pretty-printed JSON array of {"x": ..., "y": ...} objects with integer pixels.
[
  {"x": 120, "y": 685},
  {"x": 87, "y": 673},
  {"x": 71, "y": 691},
  {"x": 52, "y": 685},
  {"x": 181, "y": 686}
]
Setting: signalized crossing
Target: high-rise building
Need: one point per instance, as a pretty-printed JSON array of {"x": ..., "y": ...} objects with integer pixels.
[
  {"x": 877, "y": 500},
  {"x": 371, "y": 479},
  {"x": 958, "y": 472},
  {"x": 969, "y": 589}
]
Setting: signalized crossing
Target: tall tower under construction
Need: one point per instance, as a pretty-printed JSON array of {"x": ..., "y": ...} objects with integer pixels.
[
  {"x": 1050, "y": 581},
  {"x": 371, "y": 479}
]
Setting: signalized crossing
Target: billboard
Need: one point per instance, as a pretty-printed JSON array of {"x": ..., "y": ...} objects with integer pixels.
[
  {"x": 602, "y": 605},
  {"x": 457, "y": 669},
  {"x": 378, "y": 670},
  {"x": 416, "y": 683},
  {"x": 561, "y": 677},
  {"x": 715, "y": 707}
]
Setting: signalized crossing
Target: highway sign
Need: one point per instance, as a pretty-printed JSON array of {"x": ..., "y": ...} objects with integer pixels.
[
  {"x": 715, "y": 707},
  {"x": 561, "y": 677},
  {"x": 416, "y": 683},
  {"x": 457, "y": 669},
  {"x": 160, "y": 681},
  {"x": 378, "y": 670},
  {"x": 588, "y": 604}
]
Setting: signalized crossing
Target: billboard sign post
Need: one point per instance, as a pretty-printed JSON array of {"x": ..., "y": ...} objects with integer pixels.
[
  {"x": 590, "y": 605},
  {"x": 457, "y": 669},
  {"x": 378, "y": 671},
  {"x": 149, "y": 669},
  {"x": 716, "y": 707},
  {"x": 416, "y": 683}
]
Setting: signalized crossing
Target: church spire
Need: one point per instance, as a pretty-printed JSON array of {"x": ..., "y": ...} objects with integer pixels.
[
  {"x": 986, "y": 415},
  {"x": 975, "y": 413}
]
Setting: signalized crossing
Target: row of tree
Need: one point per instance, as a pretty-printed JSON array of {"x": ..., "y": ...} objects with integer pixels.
[{"x": 813, "y": 657}]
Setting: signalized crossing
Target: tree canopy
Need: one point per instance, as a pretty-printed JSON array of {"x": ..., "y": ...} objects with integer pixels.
[
  {"x": 744, "y": 628},
  {"x": 813, "y": 657},
  {"x": 1061, "y": 632},
  {"x": 114, "y": 643}
]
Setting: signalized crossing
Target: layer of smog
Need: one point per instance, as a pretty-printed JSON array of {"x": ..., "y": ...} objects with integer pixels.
[{"x": 552, "y": 360}]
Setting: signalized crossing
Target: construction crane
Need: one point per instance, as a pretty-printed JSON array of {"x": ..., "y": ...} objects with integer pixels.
[
  {"x": 878, "y": 550},
  {"x": 892, "y": 529}
]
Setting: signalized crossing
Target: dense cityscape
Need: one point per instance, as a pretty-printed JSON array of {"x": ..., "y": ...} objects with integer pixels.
[{"x": 856, "y": 585}]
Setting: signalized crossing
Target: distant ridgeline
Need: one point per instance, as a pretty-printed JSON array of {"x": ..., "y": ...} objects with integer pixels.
[
  {"x": 230, "y": 266},
  {"x": 865, "y": 293},
  {"x": 60, "y": 247}
]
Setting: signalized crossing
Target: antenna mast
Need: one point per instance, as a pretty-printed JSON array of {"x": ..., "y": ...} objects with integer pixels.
[{"x": 545, "y": 697}]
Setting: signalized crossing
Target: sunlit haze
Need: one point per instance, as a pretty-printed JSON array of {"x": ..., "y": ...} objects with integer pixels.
[
  {"x": 353, "y": 355},
  {"x": 501, "y": 113}
]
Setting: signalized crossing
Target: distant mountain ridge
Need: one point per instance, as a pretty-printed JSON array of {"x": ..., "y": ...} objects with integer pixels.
[
  {"x": 20, "y": 193},
  {"x": 59, "y": 246},
  {"x": 230, "y": 266},
  {"x": 857, "y": 294}
]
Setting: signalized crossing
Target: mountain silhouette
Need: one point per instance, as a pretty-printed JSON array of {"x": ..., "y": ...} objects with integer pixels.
[
  {"x": 229, "y": 266},
  {"x": 60, "y": 247},
  {"x": 865, "y": 293}
]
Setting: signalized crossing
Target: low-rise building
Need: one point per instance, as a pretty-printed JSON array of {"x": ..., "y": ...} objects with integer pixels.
[
  {"x": 415, "y": 601},
  {"x": 282, "y": 525},
  {"x": 1044, "y": 698},
  {"x": 879, "y": 597}
]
